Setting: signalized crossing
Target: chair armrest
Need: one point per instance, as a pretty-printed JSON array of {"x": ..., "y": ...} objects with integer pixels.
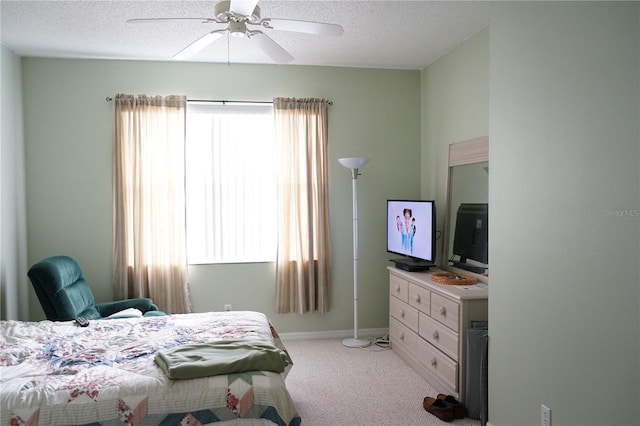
[{"x": 109, "y": 308}]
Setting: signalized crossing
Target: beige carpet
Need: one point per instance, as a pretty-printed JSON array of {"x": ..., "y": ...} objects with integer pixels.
[{"x": 334, "y": 385}]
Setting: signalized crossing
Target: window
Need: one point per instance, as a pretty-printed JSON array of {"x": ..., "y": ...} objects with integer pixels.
[{"x": 231, "y": 183}]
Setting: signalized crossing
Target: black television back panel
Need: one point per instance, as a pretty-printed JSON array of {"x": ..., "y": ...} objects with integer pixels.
[{"x": 471, "y": 239}]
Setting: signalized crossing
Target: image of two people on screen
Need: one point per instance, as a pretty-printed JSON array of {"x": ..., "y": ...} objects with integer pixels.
[{"x": 407, "y": 229}]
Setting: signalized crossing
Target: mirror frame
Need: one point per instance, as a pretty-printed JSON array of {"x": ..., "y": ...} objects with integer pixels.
[{"x": 471, "y": 151}]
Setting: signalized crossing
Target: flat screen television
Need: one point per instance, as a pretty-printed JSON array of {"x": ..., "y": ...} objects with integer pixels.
[
  {"x": 471, "y": 237},
  {"x": 411, "y": 232}
]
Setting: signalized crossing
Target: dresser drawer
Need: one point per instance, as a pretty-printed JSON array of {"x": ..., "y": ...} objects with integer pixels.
[
  {"x": 424, "y": 356},
  {"x": 440, "y": 365},
  {"x": 420, "y": 298},
  {"x": 402, "y": 337},
  {"x": 445, "y": 311},
  {"x": 399, "y": 288},
  {"x": 404, "y": 313},
  {"x": 439, "y": 336}
]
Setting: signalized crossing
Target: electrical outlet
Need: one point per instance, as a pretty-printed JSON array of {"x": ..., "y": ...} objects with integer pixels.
[
  {"x": 227, "y": 306},
  {"x": 545, "y": 413}
]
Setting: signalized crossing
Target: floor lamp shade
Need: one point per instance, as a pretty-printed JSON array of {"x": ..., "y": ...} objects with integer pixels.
[{"x": 355, "y": 163}]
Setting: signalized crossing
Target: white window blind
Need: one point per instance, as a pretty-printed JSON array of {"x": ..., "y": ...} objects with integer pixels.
[{"x": 231, "y": 183}]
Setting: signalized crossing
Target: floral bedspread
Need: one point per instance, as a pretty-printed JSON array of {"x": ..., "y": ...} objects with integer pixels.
[{"x": 56, "y": 373}]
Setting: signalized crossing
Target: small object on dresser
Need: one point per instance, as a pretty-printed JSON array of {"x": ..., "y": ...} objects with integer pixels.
[
  {"x": 449, "y": 278},
  {"x": 82, "y": 321}
]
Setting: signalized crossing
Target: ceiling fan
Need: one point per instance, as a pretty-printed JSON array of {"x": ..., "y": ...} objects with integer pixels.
[{"x": 240, "y": 16}]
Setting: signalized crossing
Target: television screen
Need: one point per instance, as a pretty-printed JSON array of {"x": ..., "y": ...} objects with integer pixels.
[
  {"x": 411, "y": 228},
  {"x": 471, "y": 238}
]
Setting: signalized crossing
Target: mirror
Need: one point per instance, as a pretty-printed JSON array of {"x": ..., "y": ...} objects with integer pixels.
[{"x": 468, "y": 182}]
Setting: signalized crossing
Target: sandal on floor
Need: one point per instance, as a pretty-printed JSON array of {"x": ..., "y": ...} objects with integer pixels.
[
  {"x": 438, "y": 408},
  {"x": 454, "y": 404}
]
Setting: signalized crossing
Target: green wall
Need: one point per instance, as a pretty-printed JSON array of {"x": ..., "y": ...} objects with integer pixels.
[
  {"x": 557, "y": 88},
  {"x": 564, "y": 157},
  {"x": 376, "y": 113},
  {"x": 455, "y": 108},
  {"x": 13, "y": 247}
]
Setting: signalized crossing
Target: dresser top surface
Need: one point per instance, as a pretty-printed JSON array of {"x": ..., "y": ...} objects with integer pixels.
[{"x": 462, "y": 292}]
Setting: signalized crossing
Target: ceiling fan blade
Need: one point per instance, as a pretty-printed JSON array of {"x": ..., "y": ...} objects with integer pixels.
[
  {"x": 270, "y": 47},
  {"x": 156, "y": 20},
  {"x": 199, "y": 44},
  {"x": 309, "y": 27},
  {"x": 243, "y": 7}
]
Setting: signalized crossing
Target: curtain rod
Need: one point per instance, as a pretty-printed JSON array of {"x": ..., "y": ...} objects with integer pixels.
[
  {"x": 221, "y": 101},
  {"x": 224, "y": 102}
]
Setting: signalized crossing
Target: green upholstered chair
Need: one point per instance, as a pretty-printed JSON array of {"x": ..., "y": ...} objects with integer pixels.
[{"x": 65, "y": 295}]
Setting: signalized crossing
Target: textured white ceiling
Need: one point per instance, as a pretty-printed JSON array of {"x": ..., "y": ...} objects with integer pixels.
[{"x": 377, "y": 34}]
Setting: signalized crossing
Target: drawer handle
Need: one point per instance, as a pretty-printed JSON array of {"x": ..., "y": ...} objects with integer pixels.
[
  {"x": 401, "y": 335},
  {"x": 434, "y": 362},
  {"x": 402, "y": 313},
  {"x": 436, "y": 336},
  {"x": 443, "y": 311},
  {"x": 397, "y": 288},
  {"x": 417, "y": 298}
]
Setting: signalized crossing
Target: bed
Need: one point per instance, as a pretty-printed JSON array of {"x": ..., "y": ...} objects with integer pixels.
[{"x": 57, "y": 373}]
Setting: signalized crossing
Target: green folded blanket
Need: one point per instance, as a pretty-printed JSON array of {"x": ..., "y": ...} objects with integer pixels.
[{"x": 220, "y": 357}]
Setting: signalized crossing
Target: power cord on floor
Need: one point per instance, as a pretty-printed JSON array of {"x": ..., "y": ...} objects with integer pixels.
[
  {"x": 380, "y": 343},
  {"x": 383, "y": 341}
]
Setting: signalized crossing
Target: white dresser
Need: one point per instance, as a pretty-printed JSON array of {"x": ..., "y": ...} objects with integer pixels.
[{"x": 427, "y": 326}]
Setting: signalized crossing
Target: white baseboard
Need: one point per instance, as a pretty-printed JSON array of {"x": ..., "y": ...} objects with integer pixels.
[{"x": 334, "y": 334}]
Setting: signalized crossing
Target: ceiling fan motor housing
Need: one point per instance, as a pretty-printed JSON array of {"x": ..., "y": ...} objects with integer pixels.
[{"x": 237, "y": 29}]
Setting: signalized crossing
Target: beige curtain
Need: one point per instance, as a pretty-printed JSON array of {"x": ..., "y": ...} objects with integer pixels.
[
  {"x": 303, "y": 261},
  {"x": 149, "y": 189}
]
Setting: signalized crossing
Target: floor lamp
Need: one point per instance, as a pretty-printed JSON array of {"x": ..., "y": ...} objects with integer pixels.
[{"x": 354, "y": 164}]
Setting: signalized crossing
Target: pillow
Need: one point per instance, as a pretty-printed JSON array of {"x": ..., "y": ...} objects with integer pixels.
[{"x": 127, "y": 313}]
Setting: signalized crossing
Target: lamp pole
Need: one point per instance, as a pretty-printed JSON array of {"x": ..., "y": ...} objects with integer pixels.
[{"x": 354, "y": 164}]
